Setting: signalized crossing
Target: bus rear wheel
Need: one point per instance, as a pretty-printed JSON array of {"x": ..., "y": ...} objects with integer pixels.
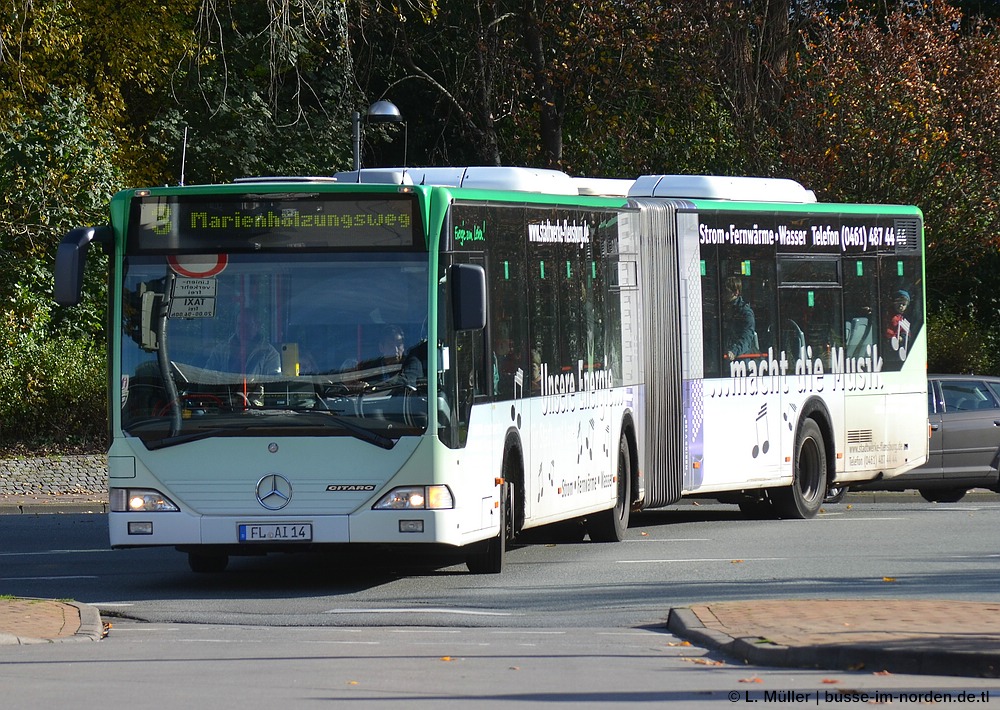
[
  {"x": 612, "y": 525},
  {"x": 804, "y": 497}
]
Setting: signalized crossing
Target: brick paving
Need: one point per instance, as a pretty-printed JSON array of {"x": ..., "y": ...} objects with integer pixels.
[
  {"x": 930, "y": 637},
  {"x": 883, "y": 622},
  {"x": 38, "y": 619}
]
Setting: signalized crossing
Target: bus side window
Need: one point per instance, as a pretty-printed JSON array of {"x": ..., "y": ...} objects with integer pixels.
[
  {"x": 711, "y": 320},
  {"x": 901, "y": 308},
  {"x": 860, "y": 306}
]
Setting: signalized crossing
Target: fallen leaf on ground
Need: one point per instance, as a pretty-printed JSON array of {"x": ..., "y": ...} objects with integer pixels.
[
  {"x": 704, "y": 661},
  {"x": 751, "y": 680}
]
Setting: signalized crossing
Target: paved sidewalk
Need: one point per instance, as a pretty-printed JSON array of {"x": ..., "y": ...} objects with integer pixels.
[
  {"x": 30, "y": 621},
  {"x": 928, "y": 637}
]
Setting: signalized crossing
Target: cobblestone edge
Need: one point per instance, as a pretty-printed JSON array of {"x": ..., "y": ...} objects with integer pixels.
[{"x": 54, "y": 475}]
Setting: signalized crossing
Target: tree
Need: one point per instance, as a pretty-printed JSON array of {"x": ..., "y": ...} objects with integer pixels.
[
  {"x": 118, "y": 53},
  {"x": 908, "y": 110},
  {"x": 57, "y": 171},
  {"x": 264, "y": 89}
]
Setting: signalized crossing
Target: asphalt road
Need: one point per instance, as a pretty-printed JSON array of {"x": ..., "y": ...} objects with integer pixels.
[
  {"x": 568, "y": 624},
  {"x": 686, "y": 555}
]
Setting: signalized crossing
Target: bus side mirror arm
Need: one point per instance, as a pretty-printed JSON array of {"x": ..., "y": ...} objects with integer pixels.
[
  {"x": 71, "y": 258},
  {"x": 468, "y": 296}
]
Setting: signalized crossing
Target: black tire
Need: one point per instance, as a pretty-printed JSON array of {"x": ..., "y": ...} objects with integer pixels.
[
  {"x": 488, "y": 557},
  {"x": 208, "y": 562},
  {"x": 612, "y": 525},
  {"x": 835, "y": 494},
  {"x": 943, "y": 495},
  {"x": 802, "y": 499}
]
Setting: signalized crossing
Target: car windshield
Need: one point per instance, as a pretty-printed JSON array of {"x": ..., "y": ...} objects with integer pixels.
[{"x": 279, "y": 344}]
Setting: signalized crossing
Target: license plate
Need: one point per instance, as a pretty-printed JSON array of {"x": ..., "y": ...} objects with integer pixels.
[{"x": 276, "y": 532}]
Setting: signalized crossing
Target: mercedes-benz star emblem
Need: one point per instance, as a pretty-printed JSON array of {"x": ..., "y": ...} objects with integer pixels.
[{"x": 274, "y": 491}]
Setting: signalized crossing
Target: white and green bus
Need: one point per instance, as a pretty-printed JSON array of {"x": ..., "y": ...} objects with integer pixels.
[{"x": 451, "y": 356}]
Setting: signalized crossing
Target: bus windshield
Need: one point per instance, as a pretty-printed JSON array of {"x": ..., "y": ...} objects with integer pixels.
[{"x": 238, "y": 344}]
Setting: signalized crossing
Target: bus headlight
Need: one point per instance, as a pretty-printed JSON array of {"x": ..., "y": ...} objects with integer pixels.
[
  {"x": 416, "y": 498},
  {"x": 140, "y": 500}
]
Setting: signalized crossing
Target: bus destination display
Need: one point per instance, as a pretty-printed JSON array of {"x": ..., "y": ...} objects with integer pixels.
[{"x": 168, "y": 223}]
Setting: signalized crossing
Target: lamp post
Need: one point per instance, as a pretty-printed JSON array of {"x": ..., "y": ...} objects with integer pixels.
[{"x": 382, "y": 111}]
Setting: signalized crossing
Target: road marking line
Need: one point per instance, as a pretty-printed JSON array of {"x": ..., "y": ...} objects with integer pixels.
[
  {"x": 459, "y": 612},
  {"x": 48, "y": 552},
  {"x": 849, "y": 518},
  {"x": 706, "y": 559},
  {"x": 67, "y": 576}
]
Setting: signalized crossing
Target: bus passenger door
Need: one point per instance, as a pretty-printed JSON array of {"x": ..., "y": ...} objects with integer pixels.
[{"x": 469, "y": 386}]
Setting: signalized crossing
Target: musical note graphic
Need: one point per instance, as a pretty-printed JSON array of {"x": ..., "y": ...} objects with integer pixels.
[
  {"x": 584, "y": 441},
  {"x": 539, "y": 479},
  {"x": 762, "y": 448},
  {"x": 515, "y": 409},
  {"x": 898, "y": 341},
  {"x": 789, "y": 416}
]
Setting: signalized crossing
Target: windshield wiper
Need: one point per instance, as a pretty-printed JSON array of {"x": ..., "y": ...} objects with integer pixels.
[
  {"x": 166, "y": 441},
  {"x": 358, "y": 432}
]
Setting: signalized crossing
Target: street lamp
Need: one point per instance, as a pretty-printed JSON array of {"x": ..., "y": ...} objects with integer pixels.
[{"x": 382, "y": 111}]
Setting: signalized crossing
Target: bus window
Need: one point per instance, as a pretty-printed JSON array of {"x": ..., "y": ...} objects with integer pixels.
[
  {"x": 861, "y": 306},
  {"x": 902, "y": 310},
  {"x": 738, "y": 298},
  {"x": 508, "y": 286}
]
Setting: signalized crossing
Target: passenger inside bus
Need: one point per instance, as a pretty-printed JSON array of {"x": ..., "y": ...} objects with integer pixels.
[
  {"x": 398, "y": 366},
  {"x": 246, "y": 351},
  {"x": 738, "y": 326}
]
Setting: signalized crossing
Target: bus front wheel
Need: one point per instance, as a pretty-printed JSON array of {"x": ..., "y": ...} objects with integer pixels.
[
  {"x": 208, "y": 562},
  {"x": 612, "y": 525},
  {"x": 488, "y": 557},
  {"x": 804, "y": 497}
]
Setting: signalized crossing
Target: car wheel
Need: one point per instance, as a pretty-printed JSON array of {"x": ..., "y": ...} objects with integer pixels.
[{"x": 835, "y": 494}]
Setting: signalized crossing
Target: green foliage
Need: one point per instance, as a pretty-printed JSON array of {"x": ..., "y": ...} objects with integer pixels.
[
  {"x": 56, "y": 172},
  {"x": 908, "y": 110},
  {"x": 864, "y": 101},
  {"x": 52, "y": 391},
  {"x": 957, "y": 342},
  {"x": 261, "y": 94}
]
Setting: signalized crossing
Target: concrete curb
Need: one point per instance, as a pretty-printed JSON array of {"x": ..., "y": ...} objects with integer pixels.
[
  {"x": 848, "y": 657},
  {"x": 70, "y": 508}
]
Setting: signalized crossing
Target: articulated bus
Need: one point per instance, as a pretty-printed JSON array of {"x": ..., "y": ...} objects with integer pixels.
[{"x": 451, "y": 356}]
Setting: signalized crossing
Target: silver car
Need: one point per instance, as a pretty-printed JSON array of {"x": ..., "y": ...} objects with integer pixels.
[{"x": 964, "y": 416}]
